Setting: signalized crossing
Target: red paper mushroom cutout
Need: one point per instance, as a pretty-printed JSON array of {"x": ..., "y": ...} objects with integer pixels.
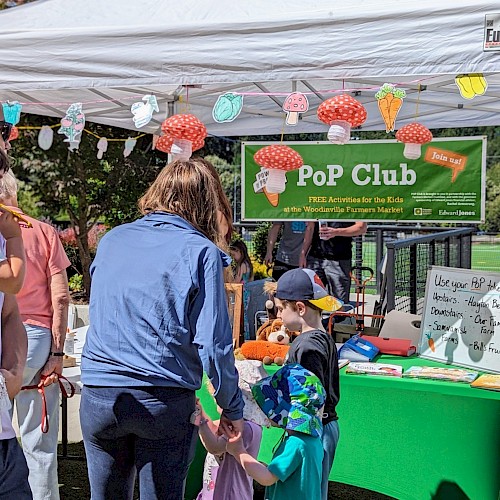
[
  {"x": 341, "y": 112},
  {"x": 413, "y": 136},
  {"x": 294, "y": 104},
  {"x": 278, "y": 159},
  {"x": 182, "y": 134}
]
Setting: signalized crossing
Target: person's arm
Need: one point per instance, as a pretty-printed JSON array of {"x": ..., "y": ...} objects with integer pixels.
[
  {"x": 13, "y": 268},
  {"x": 357, "y": 229},
  {"x": 308, "y": 236},
  {"x": 311, "y": 360},
  {"x": 272, "y": 237},
  {"x": 252, "y": 467},
  {"x": 213, "y": 335},
  {"x": 14, "y": 346},
  {"x": 59, "y": 293}
]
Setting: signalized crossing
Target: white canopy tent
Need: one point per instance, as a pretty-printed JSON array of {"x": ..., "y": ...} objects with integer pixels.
[{"x": 108, "y": 54}]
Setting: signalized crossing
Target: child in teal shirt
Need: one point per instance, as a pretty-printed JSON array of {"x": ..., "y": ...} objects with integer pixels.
[{"x": 293, "y": 399}]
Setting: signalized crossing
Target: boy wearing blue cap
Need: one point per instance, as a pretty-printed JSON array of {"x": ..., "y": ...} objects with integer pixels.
[
  {"x": 293, "y": 399},
  {"x": 300, "y": 296}
]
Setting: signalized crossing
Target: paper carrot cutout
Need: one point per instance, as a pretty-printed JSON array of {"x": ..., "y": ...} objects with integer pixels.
[{"x": 390, "y": 100}]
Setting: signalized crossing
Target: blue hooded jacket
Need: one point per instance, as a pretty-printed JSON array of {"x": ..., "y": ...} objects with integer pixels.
[{"x": 158, "y": 313}]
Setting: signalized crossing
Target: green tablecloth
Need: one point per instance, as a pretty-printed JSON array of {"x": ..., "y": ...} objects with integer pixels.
[{"x": 405, "y": 438}]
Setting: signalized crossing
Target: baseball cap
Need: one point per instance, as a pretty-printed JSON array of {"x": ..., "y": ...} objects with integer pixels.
[
  {"x": 305, "y": 284},
  {"x": 293, "y": 398}
]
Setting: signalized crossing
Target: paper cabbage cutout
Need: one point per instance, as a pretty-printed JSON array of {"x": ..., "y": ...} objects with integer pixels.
[
  {"x": 227, "y": 107},
  {"x": 72, "y": 125},
  {"x": 143, "y": 111}
]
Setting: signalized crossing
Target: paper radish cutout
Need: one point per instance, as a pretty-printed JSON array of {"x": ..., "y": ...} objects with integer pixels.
[
  {"x": 143, "y": 111},
  {"x": 390, "y": 100},
  {"x": 227, "y": 107},
  {"x": 102, "y": 147},
  {"x": 129, "y": 146},
  {"x": 72, "y": 125},
  {"x": 45, "y": 137},
  {"x": 12, "y": 112},
  {"x": 294, "y": 104}
]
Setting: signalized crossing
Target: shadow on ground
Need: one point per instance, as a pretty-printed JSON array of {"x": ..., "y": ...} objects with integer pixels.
[{"x": 74, "y": 484}]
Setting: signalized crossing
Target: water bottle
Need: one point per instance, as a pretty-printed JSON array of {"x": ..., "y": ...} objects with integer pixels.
[{"x": 69, "y": 343}]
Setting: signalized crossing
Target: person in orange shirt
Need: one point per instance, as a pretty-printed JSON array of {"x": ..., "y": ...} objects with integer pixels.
[{"x": 43, "y": 303}]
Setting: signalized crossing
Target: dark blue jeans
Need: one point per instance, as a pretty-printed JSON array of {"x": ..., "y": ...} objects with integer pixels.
[
  {"x": 13, "y": 472},
  {"x": 144, "y": 431}
]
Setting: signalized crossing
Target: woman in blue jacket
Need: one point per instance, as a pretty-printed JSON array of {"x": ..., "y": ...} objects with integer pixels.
[{"x": 158, "y": 319}]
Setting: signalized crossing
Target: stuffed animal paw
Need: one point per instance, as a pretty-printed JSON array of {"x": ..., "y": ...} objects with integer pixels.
[{"x": 265, "y": 351}]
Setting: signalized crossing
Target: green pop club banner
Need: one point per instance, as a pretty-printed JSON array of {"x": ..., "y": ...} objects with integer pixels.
[{"x": 372, "y": 181}]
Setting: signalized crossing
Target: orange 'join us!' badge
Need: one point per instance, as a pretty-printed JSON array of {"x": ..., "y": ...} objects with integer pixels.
[{"x": 447, "y": 159}]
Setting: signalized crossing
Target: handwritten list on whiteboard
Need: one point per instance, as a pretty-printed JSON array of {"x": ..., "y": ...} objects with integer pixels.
[{"x": 461, "y": 318}]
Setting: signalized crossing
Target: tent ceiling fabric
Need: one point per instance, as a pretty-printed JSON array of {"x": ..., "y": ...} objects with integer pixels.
[{"x": 109, "y": 54}]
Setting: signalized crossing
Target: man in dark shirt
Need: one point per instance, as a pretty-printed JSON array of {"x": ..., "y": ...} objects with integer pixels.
[
  {"x": 329, "y": 254},
  {"x": 300, "y": 297}
]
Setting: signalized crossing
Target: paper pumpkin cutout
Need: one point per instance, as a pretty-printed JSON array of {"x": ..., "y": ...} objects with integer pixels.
[
  {"x": 227, "y": 108},
  {"x": 129, "y": 146},
  {"x": 72, "y": 125},
  {"x": 341, "y": 112},
  {"x": 471, "y": 85},
  {"x": 143, "y": 111},
  {"x": 12, "y": 112},
  {"x": 102, "y": 147},
  {"x": 45, "y": 137},
  {"x": 390, "y": 100},
  {"x": 294, "y": 104},
  {"x": 278, "y": 159},
  {"x": 14, "y": 134},
  {"x": 413, "y": 136}
]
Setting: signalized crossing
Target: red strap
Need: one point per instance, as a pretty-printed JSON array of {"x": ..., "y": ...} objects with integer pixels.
[{"x": 41, "y": 389}]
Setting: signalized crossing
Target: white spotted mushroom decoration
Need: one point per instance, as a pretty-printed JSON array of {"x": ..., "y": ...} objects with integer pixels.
[
  {"x": 182, "y": 134},
  {"x": 295, "y": 103},
  {"x": 341, "y": 112},
  {"x": 413, "y": 136},
  {"x": 278, "y": 159}
]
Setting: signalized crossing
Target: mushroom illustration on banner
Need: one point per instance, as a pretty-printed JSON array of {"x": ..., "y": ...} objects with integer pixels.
[
  {"x": 259, "y": 186},
  {"x": 471, "y": 85},
  {"x": 45, "y": 137},
  {"x": 102, "y": 147},
  {"x": 341, "y": 112},
  {"x": 227, "y": 108},
  {"x": 143, "y": 111},
  {"x": 129, "y": 146},
  {"x": 12, "y": 112},
  {"x": 413, "y": 136},
  {"x": 182, "y": 134},
  {"x": 72, "y": 125},
  {"x": 278, "y": 159},
  {"x": 390, "y": 100},
  {"x": 294, "y": 104}
]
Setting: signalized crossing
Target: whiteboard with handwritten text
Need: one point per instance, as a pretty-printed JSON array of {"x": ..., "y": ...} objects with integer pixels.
[{"x": 461, "y": 318}]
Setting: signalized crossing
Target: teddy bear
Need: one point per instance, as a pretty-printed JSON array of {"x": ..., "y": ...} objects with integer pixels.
[{"x": 271, "y": 346}]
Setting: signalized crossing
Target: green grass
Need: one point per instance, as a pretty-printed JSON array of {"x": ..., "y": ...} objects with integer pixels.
[{"x": 486, "y": 257}]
